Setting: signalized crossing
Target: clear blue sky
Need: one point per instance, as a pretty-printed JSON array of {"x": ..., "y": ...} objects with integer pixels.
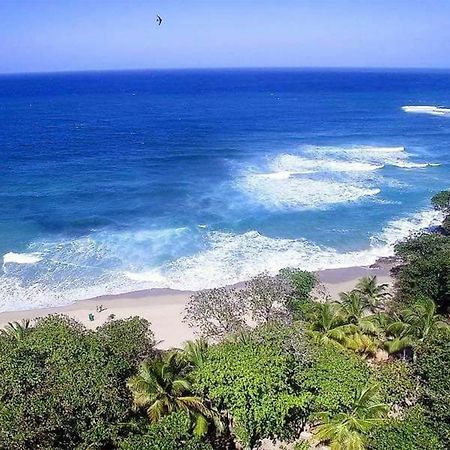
[{"x": 53, "y": 35}]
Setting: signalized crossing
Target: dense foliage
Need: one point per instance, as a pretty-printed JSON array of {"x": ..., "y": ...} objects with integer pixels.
[
  {"x": 426, "y": 272},
  {"x": 64, "y": 387},
  {"x": 170, "y": 433},
  {"x": 250, "y": 378},
  {"x": 433, "y": 366},
  {"x": 412, "y": 432}
]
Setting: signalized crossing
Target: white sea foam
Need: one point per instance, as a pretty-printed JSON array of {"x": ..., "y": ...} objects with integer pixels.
[
  {"x": 401, "y": 228},
  {"x": 296, "y": 192},
  {"x": 296, "y": 181},
  {"x": 283, "y": 175},
  {"x": 412, "y": 165},
  {"x": 288, "y": 163},
  {"x": 21, "y": 258},
  {"x": 434, "y": 110},
  {"x": 226, "y": 258},
  {"x": 231, "y": 258}
]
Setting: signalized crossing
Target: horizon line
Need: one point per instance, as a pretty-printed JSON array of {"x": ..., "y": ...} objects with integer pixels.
[{"x": 175, "y": 69}]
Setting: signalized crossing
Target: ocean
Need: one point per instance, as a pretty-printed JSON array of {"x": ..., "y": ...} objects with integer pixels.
[{"x": 120, "y": 181}]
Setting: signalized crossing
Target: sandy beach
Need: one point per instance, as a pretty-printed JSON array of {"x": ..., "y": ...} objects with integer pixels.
[{"x": 164, "y": 308}]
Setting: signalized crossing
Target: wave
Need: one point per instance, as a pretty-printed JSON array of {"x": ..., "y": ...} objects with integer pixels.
[
  {"x": 225, "y": 258},
  {"x": 413, "y": 165},
  {"x": 354, "y": 159},
  {"x": 288, "y": 163},
  {"x": 283, "y": 175},
  {"x": 232, "y": 258},
  {"x": 303, "y": 193},
  {"x": 403, "y": 227},
  {"x": 434, "y": 110},
  {"x": 21, "y": 258}
]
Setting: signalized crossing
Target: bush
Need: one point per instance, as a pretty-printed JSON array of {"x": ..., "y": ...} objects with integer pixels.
[
  {"x": 398, "y": 385},
  {"x": 302, "y": 283},
  {"x": 433, "y": 366},
  {"x": 441, "y": 200},
  {"x": 170, "y": 433},
  {"x": 332, "y": 377},
  {"x": 426, "y": 272},
  {"x": 412, "y": 433},
  {"x": 63, "y": 387},
  {"x": 250, "y": 378}
]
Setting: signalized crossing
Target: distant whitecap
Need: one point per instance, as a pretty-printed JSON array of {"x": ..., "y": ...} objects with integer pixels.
[{"x": 434, "y": 110}]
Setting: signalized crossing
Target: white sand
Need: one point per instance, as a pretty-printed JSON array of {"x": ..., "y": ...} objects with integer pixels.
[{"x": 164, "y": 308}]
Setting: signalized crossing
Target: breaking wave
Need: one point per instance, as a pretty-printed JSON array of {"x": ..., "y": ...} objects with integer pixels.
[
  {"x": 296, "y": 192},
  {"x": 226, "y": 258},
  {"x": 433, "y": 110},
  {"x": 322, "y": 176}
]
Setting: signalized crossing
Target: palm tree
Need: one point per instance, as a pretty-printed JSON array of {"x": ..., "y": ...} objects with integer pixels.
[
  {"x": 355, "y": 308},
  {"x": 422, "y": 318},
  {"x": 161, "y": 388},
  {"x": 348, "y": 430},
  {"x": 414, "y": 324},
  {"x": 353, "y": 305},
  {"x": 194, "y": 352},
  {"x": 361, "y": 343},
  {"x": 17, "y": 330},
  {"x": 374, "y": 294},
  {"x": 327, "y": 324}
]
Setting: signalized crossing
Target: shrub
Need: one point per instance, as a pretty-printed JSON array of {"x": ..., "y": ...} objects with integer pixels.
[
  {"x": 433, "y": 366},
  {"x": 250, "y": 379},
  {"x": 170, "y": 433},
  {"x": 397, "y": 382},
  {"x": 426, "y": 269},
  {"x": 441, "y": 200},
  {"x": 333, "y": 377},
  {"x": 411, "y": 433},
  {"x": 64, "y": 387}
]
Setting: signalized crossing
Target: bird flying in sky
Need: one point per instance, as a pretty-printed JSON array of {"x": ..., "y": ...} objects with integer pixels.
[{"x": 158, "y": 19}]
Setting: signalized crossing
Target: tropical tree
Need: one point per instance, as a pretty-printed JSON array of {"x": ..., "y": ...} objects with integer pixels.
[
  {"x": 353, "y": 305},
  {"x": 327, "y": 324},
  {"x": 423, "y": 319},
  {"x": 348, "y": 430},
  {"x": 216, "y": 313},
  {"x": 441, "y": 201},
  {"x": 161, "y": 388},
  {"x": 373, "y": 293},
  {"x": 413, "y": 325},
  {"x": 17, "y": 330},
  {"x": 268, "y": 298},
  {"x": 194, "y": 352}
]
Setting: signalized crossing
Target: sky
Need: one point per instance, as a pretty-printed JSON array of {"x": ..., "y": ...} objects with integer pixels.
[{"x": 69, "y": 35}]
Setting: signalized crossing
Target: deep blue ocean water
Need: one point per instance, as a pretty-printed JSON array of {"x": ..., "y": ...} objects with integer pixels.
[{"x": 120, "y": 181}]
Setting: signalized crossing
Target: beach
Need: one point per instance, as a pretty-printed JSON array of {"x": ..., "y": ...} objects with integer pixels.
[{"x": 164, "y": 308}]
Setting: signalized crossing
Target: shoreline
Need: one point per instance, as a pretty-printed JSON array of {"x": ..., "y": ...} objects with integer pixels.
[{"x": 164, "y": 308}]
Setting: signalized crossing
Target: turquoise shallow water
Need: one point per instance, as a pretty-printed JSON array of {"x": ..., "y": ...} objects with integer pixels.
[{"x": 189, "y": 179}]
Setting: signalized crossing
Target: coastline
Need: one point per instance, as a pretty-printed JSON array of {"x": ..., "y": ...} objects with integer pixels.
[{"x": 164, "y": 308}]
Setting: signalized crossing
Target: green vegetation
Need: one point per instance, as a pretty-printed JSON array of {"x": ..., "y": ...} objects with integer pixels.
[
  {"x": 349, "y": 429},
  {"x": 412, "y": 432},
  {"x": 251, "y": 380},
  {"x": 172, "y": 432},
  {"x": 441, "y": 201},
  {"x": 426, "y": 272},
  {"x": 277, "y": 360},
  {"x": 64, "y": 387}
]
